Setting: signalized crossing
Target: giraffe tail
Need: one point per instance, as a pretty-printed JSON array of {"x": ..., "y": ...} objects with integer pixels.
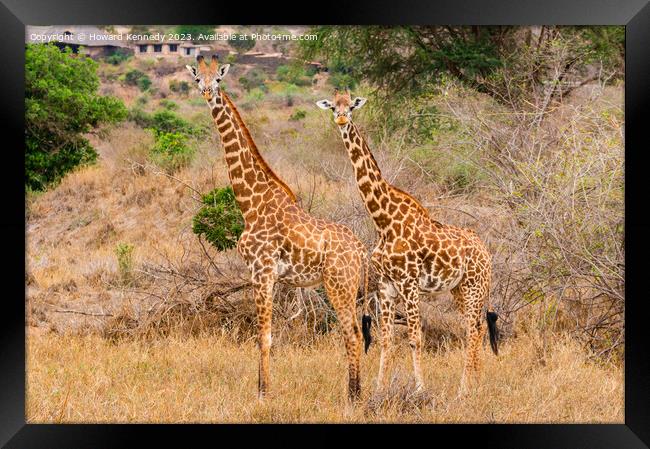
[
  {"x": 366, "y": 320},
  {"x": 491, "y": 317}
]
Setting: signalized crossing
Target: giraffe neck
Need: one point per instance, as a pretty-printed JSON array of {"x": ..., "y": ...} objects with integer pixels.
[
  {"x": 374, "y": 189},
  {"x": 384, "y": 202},
  {"x": 251, "y": 178}
]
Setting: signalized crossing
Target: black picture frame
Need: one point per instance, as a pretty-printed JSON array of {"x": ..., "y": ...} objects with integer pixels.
[{"x": 634, "y": 14}]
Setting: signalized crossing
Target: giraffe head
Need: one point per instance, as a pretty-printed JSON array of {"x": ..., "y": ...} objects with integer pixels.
[
  {"x": 208, "y": 77},
  {"x": 342, "y": 106}
]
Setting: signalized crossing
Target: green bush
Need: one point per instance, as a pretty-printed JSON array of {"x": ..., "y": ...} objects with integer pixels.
[
  {"x": 255, "y": 95},
  {"x": 61, "y": 105},
  {"x": 120, "y": 55},
  {"x": 294, "y": 74},
  {"x": 144, "y": 83},
  {"x": 288, "y": 93},
  {"x": 168, "y": 104},
  {"x": 167, "y": 121},
  {"x": 135, "y": 77},
  {"x": 142, "y": 100},
  {"x": 241, "y": 44},
  {"x": 140, "y": 117},
  {"x": 124, "y": 254},
  {"x": 220, "y": 221},
  {"x": 300, "y": 114},
  {"x": 181, "y": 87},
  {"x": 253, "y": 79},
  {"x": 230, "y": 59},
  {"x": 171, "y": 151}
]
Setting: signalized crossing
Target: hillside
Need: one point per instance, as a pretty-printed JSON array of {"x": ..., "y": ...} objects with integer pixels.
[{"x": 184, "y": 298}]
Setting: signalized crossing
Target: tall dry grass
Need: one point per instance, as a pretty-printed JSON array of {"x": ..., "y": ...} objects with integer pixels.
[
  {"x": 177, "y": 342},
  {"x": 212, "y": 379}
]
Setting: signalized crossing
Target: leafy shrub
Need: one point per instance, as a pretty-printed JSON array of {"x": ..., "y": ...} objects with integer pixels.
[
  {"x": 144, "y": 83},
  {"x": 167, "y": 121},
  {"x": 300, "y": 114},
  {"x": 171, "y": 151},
  {"x": 241, "y": 43},
  {"x": 230, "y": 59},
  {"x": 140, "y": 117},
  {"x": 294, "y": 74},
  {"x": 120, "y": 55},
  {"x": 220, "y": 221},
  {"x": 61, "y": 104},
  {"x": 181, "y": 87},
  {"x": 124, "y": 254},
  {"x": 169, "y": 104},
  {"x": 142, "y": 100},
  {"x": 253, "y": 79},
  {"x": 288, "y": 93},
  {"x": 135, "y": 77},
  {"x": 255, "y": 95}
]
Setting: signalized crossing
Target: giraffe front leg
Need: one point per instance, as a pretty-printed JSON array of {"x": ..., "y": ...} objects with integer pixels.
[
  {"x": 412, "y": 303},
  {"x": 387, "y": 297},
  {"x": 264, "y": 307}
]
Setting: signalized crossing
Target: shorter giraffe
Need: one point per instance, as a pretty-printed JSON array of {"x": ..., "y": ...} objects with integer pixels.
[
  {"x": 416, "y": 253},
  {"x": 281, "y": 242}
]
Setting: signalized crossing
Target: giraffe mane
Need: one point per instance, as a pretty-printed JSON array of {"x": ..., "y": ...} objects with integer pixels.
[
  {"x": 255, "y": 152},
  {"x": 399, "y": 191},
  {"x": 417, "y": 204}
]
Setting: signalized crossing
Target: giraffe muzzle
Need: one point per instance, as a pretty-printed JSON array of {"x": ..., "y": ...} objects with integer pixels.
[{"x": 341, "y": 120}]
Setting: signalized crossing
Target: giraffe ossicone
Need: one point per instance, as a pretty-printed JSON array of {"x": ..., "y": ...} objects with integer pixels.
[
  {"x": 416, "y": 254},
  {"x": 281, "y": 242}
]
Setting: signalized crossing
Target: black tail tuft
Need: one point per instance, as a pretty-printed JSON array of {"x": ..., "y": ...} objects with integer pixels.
[
  {"x": 366, "y": 321},
  {"x": 491, "y": 318}
]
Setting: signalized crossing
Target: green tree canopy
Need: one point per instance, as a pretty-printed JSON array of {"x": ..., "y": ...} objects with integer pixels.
[
  {"x": 61, "y": 104},
  {"x": 511, "y": 63}
]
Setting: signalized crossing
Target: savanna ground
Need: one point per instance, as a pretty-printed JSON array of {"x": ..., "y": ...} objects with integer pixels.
[{"x": 133, "y": 318}]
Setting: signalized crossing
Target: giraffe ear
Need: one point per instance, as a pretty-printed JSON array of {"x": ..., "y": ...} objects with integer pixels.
[
  {"x": 325, "y": 104},
  {"x": 223, "y": 70},
  {"x": 192, "y": 70},
  {"x": 358, "y": 102}
]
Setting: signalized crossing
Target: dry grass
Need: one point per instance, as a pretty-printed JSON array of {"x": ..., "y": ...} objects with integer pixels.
[
  {"x": 209, "y": 374},
  {"x": 211, "y": 379}
]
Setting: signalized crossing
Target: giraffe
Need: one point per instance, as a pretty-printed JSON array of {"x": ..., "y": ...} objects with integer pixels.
[
  {"x": 416, "y": 254},
  {"x": 280, "y": 241}
]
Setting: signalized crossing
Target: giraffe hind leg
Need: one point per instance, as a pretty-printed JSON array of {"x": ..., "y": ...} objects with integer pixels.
[
  {"x": 475, "y": 331},
  {"x": 341, "y": 287}
]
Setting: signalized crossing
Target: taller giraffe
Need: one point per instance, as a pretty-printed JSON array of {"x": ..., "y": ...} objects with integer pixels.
[
  {"x": 416, "y": 253},
  {"x": 281, "y": 242}
]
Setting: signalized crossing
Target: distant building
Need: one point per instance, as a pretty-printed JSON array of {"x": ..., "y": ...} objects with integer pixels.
[
  {"x": 168, "y": 49},
  {"x": 97, "y": 43},
  {"x": 85, "y": 39}
]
